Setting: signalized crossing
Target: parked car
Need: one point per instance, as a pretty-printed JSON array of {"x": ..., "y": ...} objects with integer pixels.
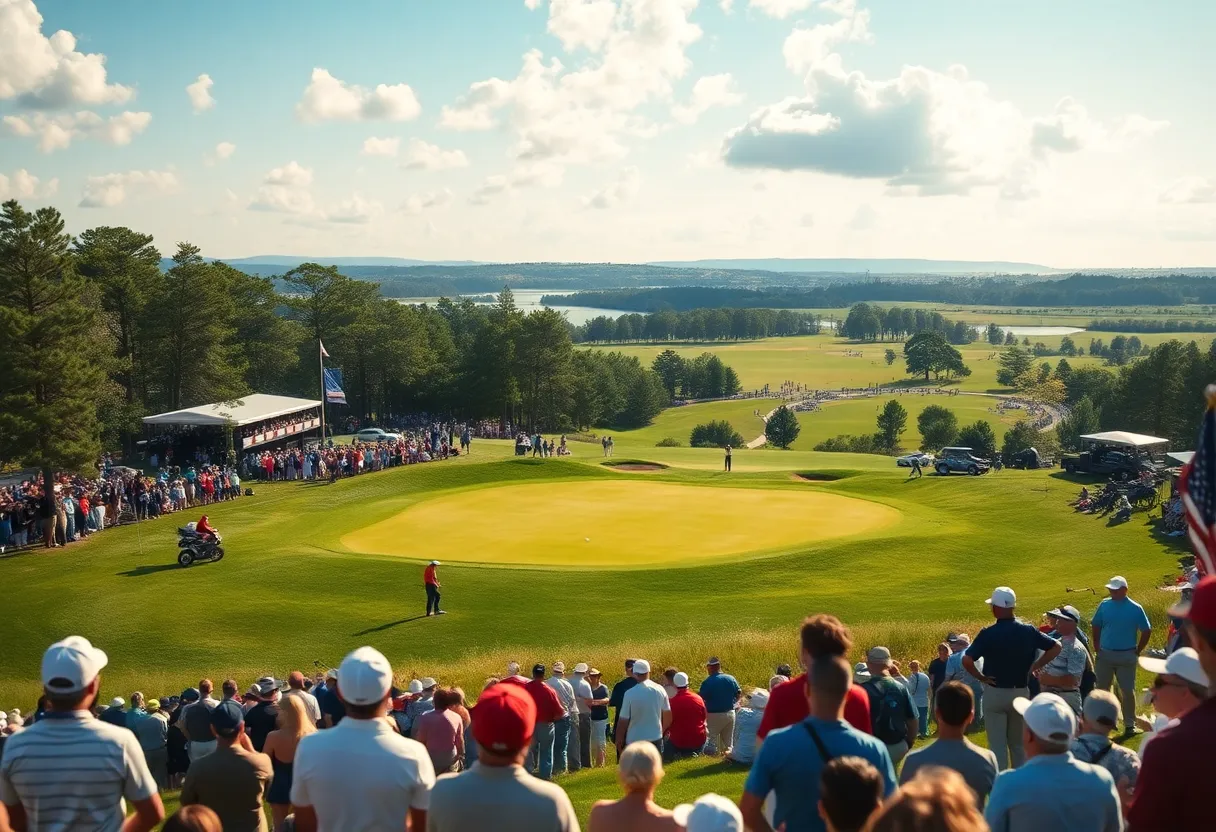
[
  {"x": 376, "y": 435},
  {"x": 1108, "y": 461},
  {"x": 926, "y": 460},
  {"x": 960, "y": 460}
]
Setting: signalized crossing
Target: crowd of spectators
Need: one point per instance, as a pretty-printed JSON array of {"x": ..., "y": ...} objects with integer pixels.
[{"x": 350, "y": 750}]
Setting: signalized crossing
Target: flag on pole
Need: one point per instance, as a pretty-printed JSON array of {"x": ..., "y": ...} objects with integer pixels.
[
  {"x": 1198, "y": 490},
  {"x": 324, "y": 354},
  {"x": 333, "y": 386}
]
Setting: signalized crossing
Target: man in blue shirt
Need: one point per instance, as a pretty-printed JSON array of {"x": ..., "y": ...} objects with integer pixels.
[
  {"x": 1053, "y": 790},
  {"x": 721, "y": 693},
  {"x": 1121, "y": 632},
  {"x": 1008, "y": 649},
  {"x": 791, "y": 759}
]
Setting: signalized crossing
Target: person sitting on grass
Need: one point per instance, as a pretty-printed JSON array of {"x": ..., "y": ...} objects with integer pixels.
[
  {"x": 747, "y": 723},
  {"x": 850, "y": 791},
  {"x": 639, "y": 772},
  {"x": 688, "y": 733}
]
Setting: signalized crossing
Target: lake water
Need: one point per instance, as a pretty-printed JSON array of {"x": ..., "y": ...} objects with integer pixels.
[
  {"x": 528, "y": 300},
  {"x": 1027, "y": 331}
]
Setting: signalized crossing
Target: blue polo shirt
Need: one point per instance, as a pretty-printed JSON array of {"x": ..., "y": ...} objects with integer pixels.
[
  {"x": 789, "y": 763},
  {"x": 720, "y": 692},
  {"x": 1054, "y": 791},
  {"x": 1009, "y": 647},
  {"x": 1121, "y": 621}
]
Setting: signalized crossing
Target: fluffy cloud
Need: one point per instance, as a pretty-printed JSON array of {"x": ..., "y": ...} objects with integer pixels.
[
  {"x": 355, "y": 210},
  {"x": 1191, "y": 190},
  {"x": 547, "y": 175},
  {"x": 200, "y": 93},
  {"x": 373, "y": 146},
  {"x": 328, "y": 99},
  {"x": 56, "y": 132},
  {"x": 582, "y": 23},
  {"x": 780, "y": 8},
  {"x": 112, "y": 188},
  {"x": 48, "y": 73},
  {"x": 625, "y": 188},
  {"x": 420, "y": 203},
  {"x": 288, "y": 190},
  {"x": 805, "y": 49},
  {"x": 709, "y": 91},
  {"x": 423, "y": 156},
  {"x": 24, "y": 185},
  {"x": 224, "y": 150}
]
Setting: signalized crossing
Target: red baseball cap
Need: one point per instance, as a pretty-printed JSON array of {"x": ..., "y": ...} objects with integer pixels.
[
  {"x": 1201, "y": 609},
  {"x": 504, "y": 718}
]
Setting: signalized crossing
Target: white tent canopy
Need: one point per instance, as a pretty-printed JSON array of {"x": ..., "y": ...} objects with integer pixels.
[
  {"x": 1181, "y": 457},
  {"x": 246, "y": 410},
  {"x": 1122, "y": 437}
]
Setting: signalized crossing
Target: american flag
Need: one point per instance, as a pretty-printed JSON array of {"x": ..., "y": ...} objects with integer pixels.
[{"x": 1198, "y": 489}]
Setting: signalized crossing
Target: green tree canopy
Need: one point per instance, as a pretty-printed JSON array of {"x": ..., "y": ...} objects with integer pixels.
[
  {"x": 717, "y": 434},
  {"x": 892, "y": 422},
  {"x": 928, "y": 352},
  {"x": 782, "y": 427},
  {"x": 1014, "y": 362},
  {"x": 980, "y": 437},
  {"x": 938, "y": 427}
]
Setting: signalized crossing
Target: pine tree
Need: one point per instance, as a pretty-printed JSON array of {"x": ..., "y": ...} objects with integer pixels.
[{"x": 782, "y": 427}]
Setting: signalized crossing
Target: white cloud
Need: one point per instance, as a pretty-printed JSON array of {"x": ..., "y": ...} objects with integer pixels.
[
  {"x": 780, "y": 8},
  {"x": 623, "y": 189},
  {"x": 328, "y": 99},
  {"x": 373, "y": 146},
  {"x": 727, "y": 6},
  {"x": 356, "y": 210},
  {"x": 423, "y": 156},
  {"x": 112, "y": 188},
  {"x": 288, "y": 190},
  {"x": 224, "y": 150},
  {"x": 582, "y": 23},
  {"x": 806, "y": 49},
  {"x": 290, "y": 175},
  {"x": 24, "y": 185},
  {"x": 419, "y": 203},
  {"x": 48, "y": 73},
  {"x": 56, "y": 132},
  {"x": 709, "y": 91},
  {"x": 1191, "y": 190},
  {"x": 532, "y": 5},
  {"x": 529, "y": 175},
  {"x": 200, "y": 93}
]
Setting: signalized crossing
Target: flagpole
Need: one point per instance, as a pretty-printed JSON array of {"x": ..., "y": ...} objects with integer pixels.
[{"x": 321, "y": 363}]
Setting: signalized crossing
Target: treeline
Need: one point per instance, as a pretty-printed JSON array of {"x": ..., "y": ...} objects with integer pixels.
[
  {"x": 698, "y": 325},
  {"x": 94, "y": 335},
  {"x": 1142, "y": 325},
  {"x": 866, "y": 322},
  {"x": 703, "y": 377},
  {"x": 1076, "y": 290}
]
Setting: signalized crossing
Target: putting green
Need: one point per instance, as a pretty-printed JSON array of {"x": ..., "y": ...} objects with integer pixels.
[{"x": 617, "y": 524}]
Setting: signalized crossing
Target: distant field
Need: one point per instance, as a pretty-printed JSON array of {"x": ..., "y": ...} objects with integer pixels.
[
  {"x": 678, "y": 422},
  {"x": 1062, "y": 316},
  {"x": 858, "y": 417}
]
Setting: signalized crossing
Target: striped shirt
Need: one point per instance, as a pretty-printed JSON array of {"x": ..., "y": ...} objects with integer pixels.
[{"x": 71, "y": 772}]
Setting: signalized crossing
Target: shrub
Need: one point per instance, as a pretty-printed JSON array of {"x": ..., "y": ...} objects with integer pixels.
[
  {"x": 669, "y": 442},
  {"x": 845, "y": 444},
  {"x": 716, "y": 434}
]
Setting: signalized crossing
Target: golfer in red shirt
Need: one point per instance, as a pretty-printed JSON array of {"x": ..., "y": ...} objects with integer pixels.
[{"x": 431, "y": 579}]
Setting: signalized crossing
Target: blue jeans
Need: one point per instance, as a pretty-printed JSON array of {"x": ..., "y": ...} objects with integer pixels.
[
  {"x": 561, "y": 743},
  {"x": 541, "y": 751},
  {"x": 924, "y": 719}
]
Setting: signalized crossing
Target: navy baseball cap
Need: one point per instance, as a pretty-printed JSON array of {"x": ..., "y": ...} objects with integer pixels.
[{"x": 227, "y": 717}]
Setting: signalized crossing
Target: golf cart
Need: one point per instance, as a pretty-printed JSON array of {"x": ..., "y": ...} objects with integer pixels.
[
  {"x": 961, "y": 460},
  {"x": 1116, "y": 454}
]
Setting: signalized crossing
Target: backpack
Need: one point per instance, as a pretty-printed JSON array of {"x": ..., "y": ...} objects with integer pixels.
[{"x": 887, "y": 712}]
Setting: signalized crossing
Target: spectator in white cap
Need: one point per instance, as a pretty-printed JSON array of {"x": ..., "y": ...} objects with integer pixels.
[
  {"x": 1008, "y": 648},
  {"x": 361, "y": 775},
  {"x": 688, "y": 732},
  {"x": 424, "y": 702},
  {"x": 69, "y": 765},
  {"x": 1100, "y": 716},
  {"x": 645, "y": 713},
  {"x": 582, "y": 700},
  {"x": 747, "y": 723},
  {"x": 710, "y": 813},
  {"x": 565, "y": 729},
  {"x": 1121, "y": 631},
  {"x": 1053, "y": 790},
  {"x": 1180, "y": 687}
]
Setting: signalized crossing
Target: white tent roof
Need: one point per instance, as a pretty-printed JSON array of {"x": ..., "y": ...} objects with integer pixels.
[
  {"x": 1181, "y": 457},
  {"x": 1122, "y": 437},
  {"x": 244, "y": 411}
]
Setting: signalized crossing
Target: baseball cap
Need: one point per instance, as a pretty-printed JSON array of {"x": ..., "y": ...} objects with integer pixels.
[
  {"x": 1003, "y": 598},
  {"x": 712, "y": 661},
  {"x": 581, "y": 667},
  {"x": 680, "y": 680},
  {"x": 1101, "y": 707},
  {"x": 861, "y": 673},
  {"x": 414, "y": 686},
  {"x": 1117, "y": 582},
  {"x": 711, "y": 813},
  {"x": 1201, "y": 609},
  {"x": 538, "y": 670},
  {"x": 191, "y": 695},
  {"x": 434, "y": 563},
  {"x": 332, "y": 673},
  {"x": 365, "y": 677},
  {"x": 878, "y": 655},
  {"x": 153, "y": 704},
  {"x": 958, "y": 638},
  {"x": 428, "y": 682},
  {"x": 117, "y": 702},
  {"x": 71, "y": 665},
  {"x": 594, "y": 671},
  {"x": 1066, "y": 611},
  {"x": 227, "y": 717},
  {"x": 641, "y": 667},
  {"x": 504, "y": 718},
  {"x": 759, "y": 699},
  {"x": 1047, "y": 716},
  {"x": 1183, "y": 662},
  {"x": 559, "y": 667}
]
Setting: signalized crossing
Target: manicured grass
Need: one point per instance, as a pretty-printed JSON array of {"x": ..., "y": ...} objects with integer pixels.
[
  {"x": 677, "y": 422},
  {"x": 857, "y": 416}
]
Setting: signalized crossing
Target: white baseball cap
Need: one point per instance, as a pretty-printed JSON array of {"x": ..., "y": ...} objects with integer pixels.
[
  {"x": 1048, "y": 717},
  {"x": 640, "y": 667},
  {"x": 759, "y": 699},
  {"x": 434, "y": 563},
  {"x": 414, "y": 686},
  {"x": 711, "y": 813},
  {"x": 71, "y": 665},
  {"x": 1117, "y": 582},
  {"x": 428, "y": 682},
  {"x": 1183, "y": 662},
  {"x": 861, "y": 673},
  {"x": 581, "y": 667},
  {"x": 364, "y": 677},
  {"x": 680, "y": 680},
  {"x": 878, "y": 655},
  {"x": 1003, "y": 597}
]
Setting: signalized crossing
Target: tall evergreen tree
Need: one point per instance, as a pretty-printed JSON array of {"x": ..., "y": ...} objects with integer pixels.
[{"x": 782, "y": 427}]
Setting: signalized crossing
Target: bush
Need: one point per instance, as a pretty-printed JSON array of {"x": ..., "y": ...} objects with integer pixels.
[
  {"x": 716, "y": 434},
  {"x": 669, "y": 442},
  {"x": 845, "y": 444}
]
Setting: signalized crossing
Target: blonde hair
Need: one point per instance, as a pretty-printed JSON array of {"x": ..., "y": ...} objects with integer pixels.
[
  {"x": 935, "y": 800},
  {"x": 640, "y": 767},
  {"x": 293, "y": 718}
]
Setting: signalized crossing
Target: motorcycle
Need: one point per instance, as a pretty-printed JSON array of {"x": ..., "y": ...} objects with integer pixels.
[{"x": 194, "y": 547}]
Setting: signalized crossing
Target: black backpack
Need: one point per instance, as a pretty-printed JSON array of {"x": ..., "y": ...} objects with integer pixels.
[{"x": 887, "y": 711}]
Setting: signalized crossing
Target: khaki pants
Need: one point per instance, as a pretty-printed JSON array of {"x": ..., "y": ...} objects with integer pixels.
[
  {"x": 721, "y": 732},
  {"x": 897, "y": 751},
  {"x": 1004, "y": 726},
  {"x": 1120, "y": 666}
]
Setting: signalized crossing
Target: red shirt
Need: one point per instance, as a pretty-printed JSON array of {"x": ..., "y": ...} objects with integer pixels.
[
  {"x": 548, "y": 706},
  {"x": 688, "y": 729},
  {"x": 429, "y": 575},
  {"x": 1177, "y": 768},
  {"x": 787, "y": 705}
]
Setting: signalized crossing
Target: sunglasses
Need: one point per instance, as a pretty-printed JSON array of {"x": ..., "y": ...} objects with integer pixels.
[{"x": 1161, "y": 682}]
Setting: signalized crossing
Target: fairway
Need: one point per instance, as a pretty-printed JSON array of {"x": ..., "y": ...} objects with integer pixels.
[
  {"x": 858, "y": 416},
  {"x": 618, "y": 524}
]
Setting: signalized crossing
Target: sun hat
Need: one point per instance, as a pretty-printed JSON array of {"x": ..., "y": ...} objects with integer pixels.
[
  {"x": 1066, "y": 611},
  {"x": 581, "y": 667},
  {"x": 504, "y": 718},
  {"x": 428, "y": 682},
  {"x": 414, "y": 687},
  {"x": 226, "y": 718},
  {"x": 594, "y": 672},
  {"x": 712, "y": 661},
  {"x": 680, "y": 680},
  {"x": 267, "y": 685},
  {"x": 71, "y": 665},
  {"x": 1003, "y": 598},
  {"x": 365, "y": 677},
  {"x": 1047, "y": 716},
  {"x": 1201, "y": 609},
  {"x": 711, "y": 813},
  {"x": 1183, "y": 663},
  {"x": 559, "y": 667},
  {"x": 1117, "y": 582},
  {"x": 640, "y": 667},
  {"x": 759, "y": 699},
  {"x": 878, "y": 655}
]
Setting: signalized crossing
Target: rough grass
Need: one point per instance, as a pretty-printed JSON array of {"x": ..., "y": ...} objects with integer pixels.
[{"x": 858, "y": 416}]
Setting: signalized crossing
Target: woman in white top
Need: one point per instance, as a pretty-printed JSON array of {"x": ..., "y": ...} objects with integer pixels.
[
  {"x": 918, "y": 686},
  {"x": 747, "y": 723}
]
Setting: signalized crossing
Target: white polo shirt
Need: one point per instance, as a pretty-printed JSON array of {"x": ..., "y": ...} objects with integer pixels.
[
  {"x": 361, "y": 776},
  {"x": 73, "y": 772},
  {"x": 311, "y": 706},
  {"x": 643, "y": 706}
]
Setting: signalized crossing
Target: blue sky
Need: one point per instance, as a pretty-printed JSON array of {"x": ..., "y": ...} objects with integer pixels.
[{"x": 1071, "y": 134}]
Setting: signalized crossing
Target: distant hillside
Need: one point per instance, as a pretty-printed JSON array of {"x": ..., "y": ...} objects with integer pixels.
[
  {"x": 874, "y": 266},
  {"x": 279, "y": 263}
]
